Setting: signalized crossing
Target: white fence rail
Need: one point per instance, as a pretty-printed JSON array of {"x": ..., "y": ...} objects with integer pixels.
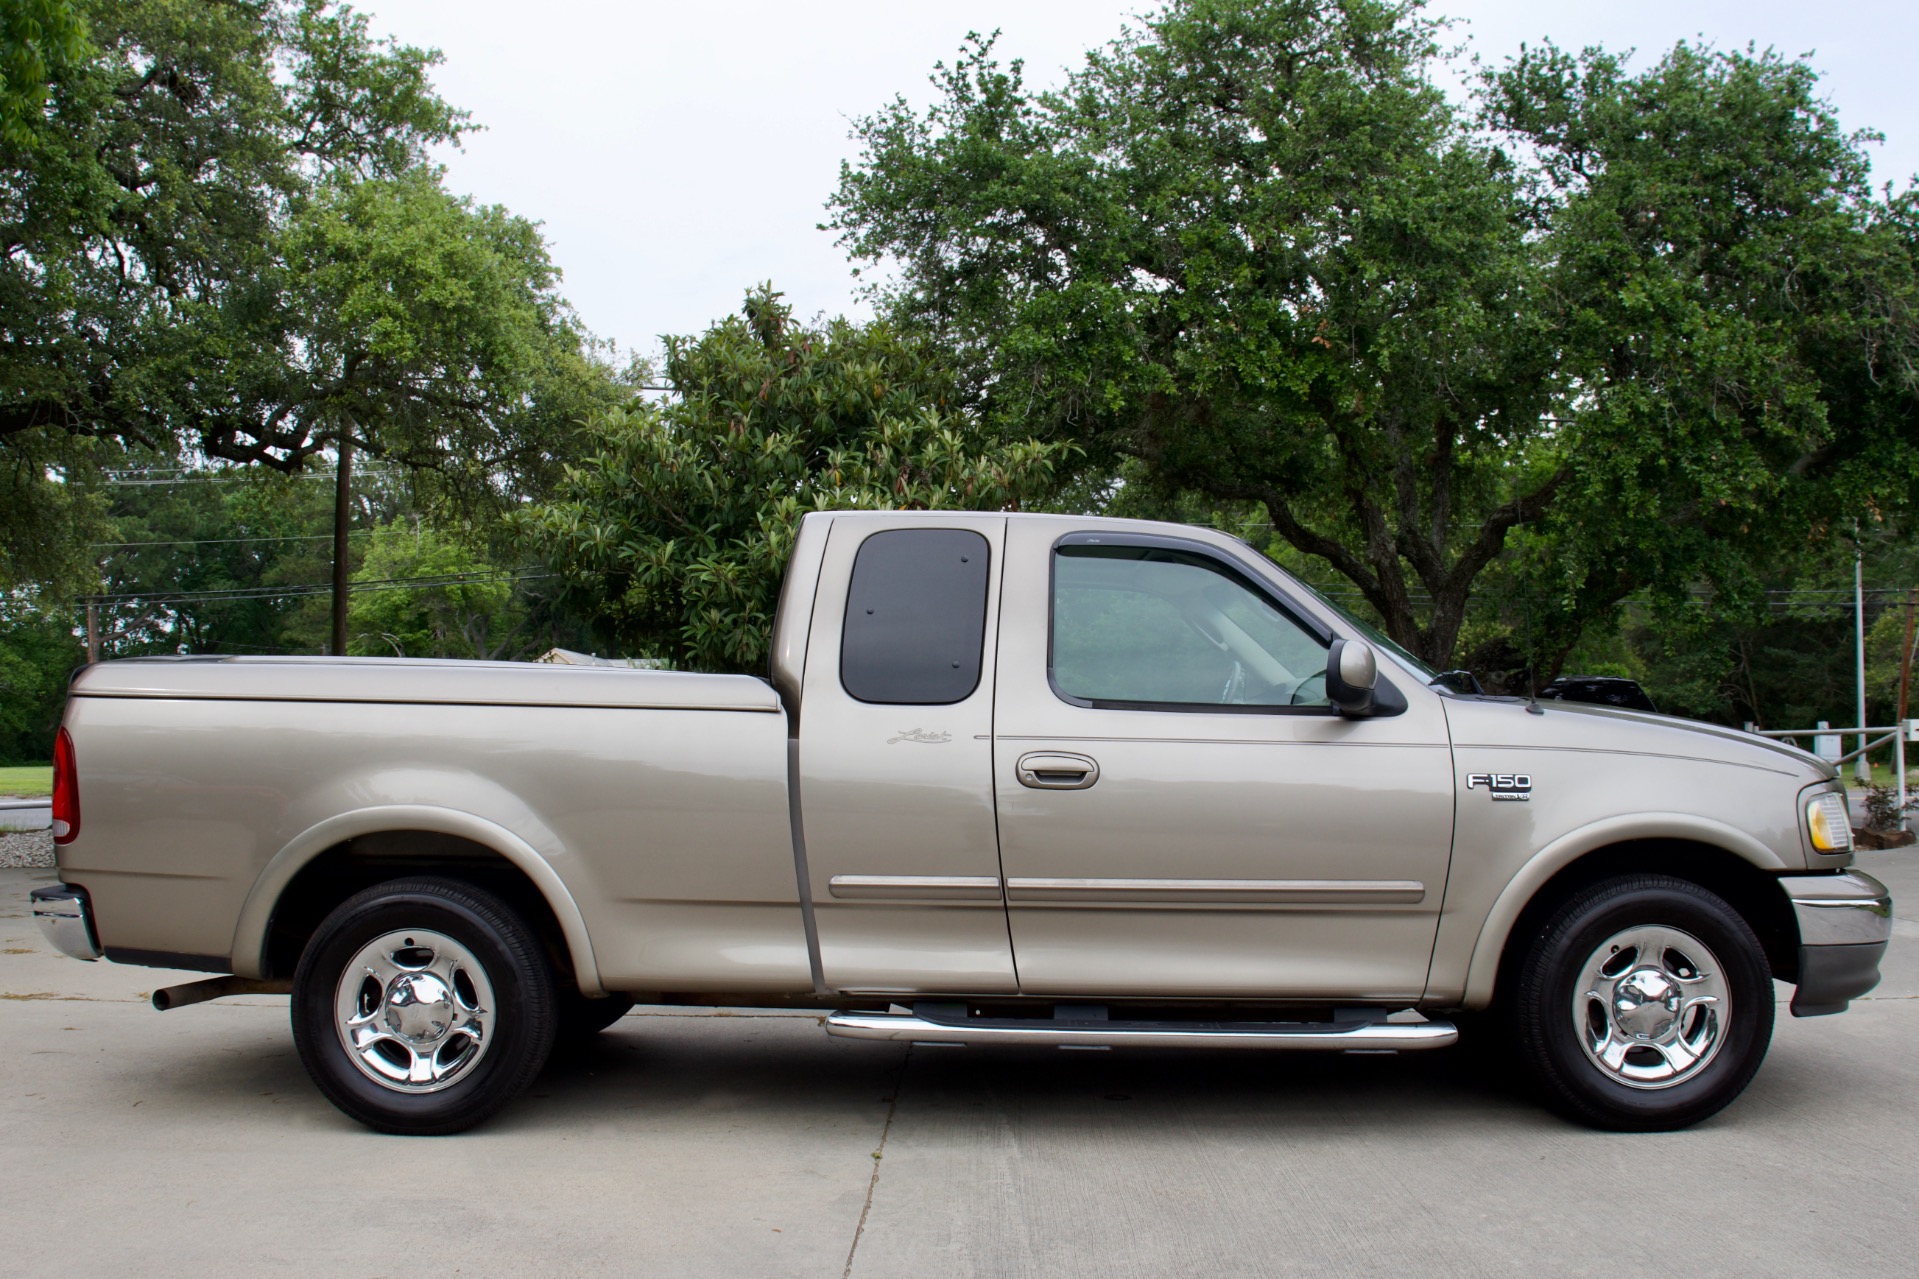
[{"x": 1898, "y": 734}]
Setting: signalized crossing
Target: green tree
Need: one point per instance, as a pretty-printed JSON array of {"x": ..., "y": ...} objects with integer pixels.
[
  {"x": 38, "y": 651},
  {"x": 1737, "y": 316},
  {"x": 1250, "y": 247},
  {"x": 671, "y": 537},
  {"x": 222, "y": 243},
  {"x": 217, "y": 561},
  {"x": 458, "y": 604},
  {"x": 38, "y": 39},
  {"x": 419, "y": 328}
]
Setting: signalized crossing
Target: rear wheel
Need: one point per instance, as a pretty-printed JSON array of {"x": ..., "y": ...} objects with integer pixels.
[
  {"x": 1644, "y": 1004},
  {"x": 422, "y": 1006}
]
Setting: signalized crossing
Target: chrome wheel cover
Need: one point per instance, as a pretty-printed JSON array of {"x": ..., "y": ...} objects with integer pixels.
[
  {"x": 414, "y": 1010},
  {"x": 1651, "y": 1007}
]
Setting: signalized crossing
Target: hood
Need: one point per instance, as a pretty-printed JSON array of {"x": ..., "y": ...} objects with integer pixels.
[{"x": 1506, "y": 722}]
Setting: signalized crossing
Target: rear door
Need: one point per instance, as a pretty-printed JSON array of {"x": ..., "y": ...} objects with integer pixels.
[
  {"x": 896, "y": 765},
  {"x": 1182, "y": 812}
]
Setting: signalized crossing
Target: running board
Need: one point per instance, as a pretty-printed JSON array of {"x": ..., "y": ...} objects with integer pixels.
[{"x": 1340, "y": 1036}]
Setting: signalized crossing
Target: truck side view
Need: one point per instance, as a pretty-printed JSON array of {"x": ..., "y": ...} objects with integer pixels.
[{"x": 1014, "y": 779}]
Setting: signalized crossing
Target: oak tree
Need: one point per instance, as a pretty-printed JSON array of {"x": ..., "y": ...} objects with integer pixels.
[{"x": 1251, "y": 251}]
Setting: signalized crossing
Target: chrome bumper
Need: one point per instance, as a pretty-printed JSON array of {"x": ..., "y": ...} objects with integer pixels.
[
  {"x": 65, "y": 917},
  {"x": 1845, "y": 924},
  {"x": 1847, "y": 909}
]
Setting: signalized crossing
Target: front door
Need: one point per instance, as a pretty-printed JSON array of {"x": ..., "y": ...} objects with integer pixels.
[
  {"x": 896, "y": 765},
  {"x": 1182, "y": 812}
]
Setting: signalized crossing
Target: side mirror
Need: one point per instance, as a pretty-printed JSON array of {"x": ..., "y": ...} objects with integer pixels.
[{"x": 1352, "y": 671}]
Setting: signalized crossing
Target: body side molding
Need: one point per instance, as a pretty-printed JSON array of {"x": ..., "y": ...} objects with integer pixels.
[
  {"x": 1301, "y": 892},
  {"x": 915, "y": 888}
]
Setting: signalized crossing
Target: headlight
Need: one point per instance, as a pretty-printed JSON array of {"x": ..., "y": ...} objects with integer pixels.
[{"x": 1828, "y": 823}]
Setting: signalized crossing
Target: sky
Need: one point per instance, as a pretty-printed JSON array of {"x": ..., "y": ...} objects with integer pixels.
[{"x": 678, "y": 153}]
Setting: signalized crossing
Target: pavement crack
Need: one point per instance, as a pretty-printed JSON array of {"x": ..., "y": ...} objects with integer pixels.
[{"x": 879, "y": 1156}]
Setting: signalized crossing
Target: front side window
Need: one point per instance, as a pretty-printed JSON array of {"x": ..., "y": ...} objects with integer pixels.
[
  {"x": 915, "y": 625},
  {"x": 1153, "y": 626}
]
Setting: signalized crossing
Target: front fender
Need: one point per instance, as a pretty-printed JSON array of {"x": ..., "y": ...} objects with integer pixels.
[
  {"x": 1483, "y": 970},
  {"x": 250, "y": 934}
]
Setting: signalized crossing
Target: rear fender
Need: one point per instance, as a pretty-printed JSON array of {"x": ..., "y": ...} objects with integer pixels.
[{"x": 250, "y": 935}]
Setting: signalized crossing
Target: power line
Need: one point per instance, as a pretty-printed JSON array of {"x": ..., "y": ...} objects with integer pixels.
[
  {"x": 172, "y": 479},
  {"x": 242, "y": 593},
  {"x": 227, "y": 541}
]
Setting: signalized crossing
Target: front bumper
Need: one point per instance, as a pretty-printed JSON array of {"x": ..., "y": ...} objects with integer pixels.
[
  {"x": 65, "y": 916},
  {"x": 1845, "y": 924}
]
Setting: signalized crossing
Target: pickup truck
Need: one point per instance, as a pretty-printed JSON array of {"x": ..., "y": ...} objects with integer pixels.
[{"x": 1013, "y": 779}]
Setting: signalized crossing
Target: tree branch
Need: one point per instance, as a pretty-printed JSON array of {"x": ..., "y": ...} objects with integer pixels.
[{"x": 1492, "y": 534}]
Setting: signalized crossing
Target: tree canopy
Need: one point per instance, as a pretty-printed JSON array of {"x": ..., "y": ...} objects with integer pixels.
[
  {"x": 672, "y": 535},
  {"x": 220, "y": 239},
  {"x": 38, "y": 39},
  {"x": 1251, "y": 248},
  {"x": 1736, "y": 315}
]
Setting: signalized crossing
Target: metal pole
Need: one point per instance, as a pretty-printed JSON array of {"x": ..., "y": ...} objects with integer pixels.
[
  {"x": 1899, "y": 767},
  {"x": 1862, "y": 770}
]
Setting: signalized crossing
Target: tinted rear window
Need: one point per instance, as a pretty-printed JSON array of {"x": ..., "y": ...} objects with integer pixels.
[{"x": 915, "y": 617}]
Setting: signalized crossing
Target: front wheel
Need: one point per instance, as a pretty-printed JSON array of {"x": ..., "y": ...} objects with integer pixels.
[
  {"x": 422, "y": 1006},
  {"x": 1644, "y": 1004}
]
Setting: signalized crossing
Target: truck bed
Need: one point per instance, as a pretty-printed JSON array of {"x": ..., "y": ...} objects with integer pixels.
[
  {"x": 652, "y": 805},
  {"x": 420, "y": 681}
]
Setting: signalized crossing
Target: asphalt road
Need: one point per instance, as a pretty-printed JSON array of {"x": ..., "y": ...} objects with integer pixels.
[{"x": 135, "y": 1142}]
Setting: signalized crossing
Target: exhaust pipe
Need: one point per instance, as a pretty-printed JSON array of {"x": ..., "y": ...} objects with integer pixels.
[{"x": 198, "y": 992}]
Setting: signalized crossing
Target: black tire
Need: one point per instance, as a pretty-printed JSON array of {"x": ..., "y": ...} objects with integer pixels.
[
  {"x": 581, "y": 1018},
  {"x": 1727, "y": 1039},
  {"x": 489, "y": 1048}
]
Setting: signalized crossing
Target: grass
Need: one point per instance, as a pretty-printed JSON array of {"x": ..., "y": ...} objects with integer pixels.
[
  {"x": 26, "y": 779},
  {"x": 1882, "y": 774}
]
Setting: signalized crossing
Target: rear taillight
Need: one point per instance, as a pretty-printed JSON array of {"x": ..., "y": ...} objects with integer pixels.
[{"x": 66, "y": 791}]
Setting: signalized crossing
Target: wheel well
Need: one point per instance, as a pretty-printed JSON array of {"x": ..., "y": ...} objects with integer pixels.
[
  {"x": 1747, "y": 889},
  {"x": 360, "y": 863}
]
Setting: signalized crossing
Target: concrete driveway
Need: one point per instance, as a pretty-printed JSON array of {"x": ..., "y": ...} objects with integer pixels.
[{"x": 190, "y": 1142}]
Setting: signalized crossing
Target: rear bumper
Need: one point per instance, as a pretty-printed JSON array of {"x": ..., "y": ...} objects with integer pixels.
[
  {"x": 1845, "y": 924},
  {"x": 65, "y": 917}
]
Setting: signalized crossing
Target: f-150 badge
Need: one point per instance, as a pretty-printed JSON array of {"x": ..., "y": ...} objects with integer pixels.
[
  {"x": 922, "y": 736},
  {"x": 1517, "y": 786}
]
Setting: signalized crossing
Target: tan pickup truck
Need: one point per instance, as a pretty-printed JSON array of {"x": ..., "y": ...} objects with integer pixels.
[{"x": 1014, "y": 779}]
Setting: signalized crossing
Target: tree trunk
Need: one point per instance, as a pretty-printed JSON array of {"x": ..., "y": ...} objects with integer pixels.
[{"x": 342, "y": 513}]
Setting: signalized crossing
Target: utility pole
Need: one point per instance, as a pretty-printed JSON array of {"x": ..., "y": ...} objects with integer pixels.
[
  {"x": 342, "y": 512},
  {"x": 93, "y": 631},
  {"x": 1861, "y": 769}
]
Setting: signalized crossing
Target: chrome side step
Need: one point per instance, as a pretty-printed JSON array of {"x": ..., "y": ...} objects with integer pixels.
[{"x": 1367, "y": 1035}]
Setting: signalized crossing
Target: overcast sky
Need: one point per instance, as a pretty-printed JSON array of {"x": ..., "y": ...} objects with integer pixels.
[{"x": 677, "y": 153}]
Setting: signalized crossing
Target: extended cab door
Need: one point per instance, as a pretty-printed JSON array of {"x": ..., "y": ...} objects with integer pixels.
[
  {"x": 1182, "y": 812},
  {"x": 895, "y": 757}
]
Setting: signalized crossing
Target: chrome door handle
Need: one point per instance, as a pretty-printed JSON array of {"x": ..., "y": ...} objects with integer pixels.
[{"x": 1054, "y": 770}]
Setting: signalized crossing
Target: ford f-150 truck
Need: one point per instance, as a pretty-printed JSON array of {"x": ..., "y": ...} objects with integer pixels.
[{"x": 1014, "y": 778}]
